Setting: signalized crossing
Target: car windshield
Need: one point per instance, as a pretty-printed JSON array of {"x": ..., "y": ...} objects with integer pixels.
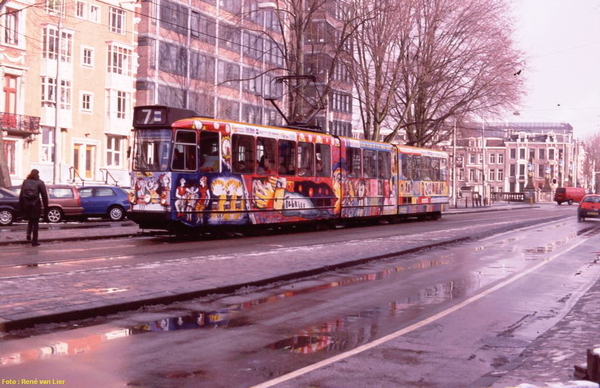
[
  {"x": 592, "y": 199},
  {"x": 152, "y": 149}
]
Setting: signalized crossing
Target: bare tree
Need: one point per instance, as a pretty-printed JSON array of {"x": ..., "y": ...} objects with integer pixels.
[
  {"x": 591, "y": 163},
  {"x": 376, "y": 61},
  {"x": 311, "y": 36},
  {"x": 434, "y": 60}
]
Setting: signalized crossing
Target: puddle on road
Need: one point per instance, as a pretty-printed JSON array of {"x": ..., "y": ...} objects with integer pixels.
[{"x": 229, "y": 317}]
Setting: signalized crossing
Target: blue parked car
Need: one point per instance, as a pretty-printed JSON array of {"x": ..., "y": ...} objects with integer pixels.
[{"x": 104, "y": 201}]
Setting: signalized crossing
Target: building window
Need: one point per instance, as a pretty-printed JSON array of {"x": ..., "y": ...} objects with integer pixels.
[
  {"x": 492, "y": 158},
  {"x": 94, "y": 13},
  {"x": 80, "y": 9},
  {"x": 87, "y": 57},
  {"x": 50, "y": 44},
  {"x": 54, "y": 7},
  {"x": 542, "y": 153},
  {"x": 233, "y": 6},
  {"x": 11, "y": 26},
  {"x": 117, "y": 20},
  {"x": 49, "y": 93},
  {"x": 513, "y": 170},
  {"x": 551, "y": 154},
  {"x": 173, "y": 58},
  {"x": 513, "y": 154},
  {"x": 492, "y": 175},
  {"x": 118, "y": 103},
  {"x": 500, "y": 158},
  {"x": 471, "y": 158},
  {"x": 228, "y": 72},
  {"x": 230, "y": 37},
  {"x": 120, "y": 60},
  {"x": 86, "y": 101},
  {"x": 47, "y": 144},
  {"x": 472, "y": 176},
  {"x": 521, "y": 153},
  {"x": 113, "y": 151},
  {"x": 521, "y": 171},
  {"x": 500, "y": 174},
  {"x": 204, "y": 28}
]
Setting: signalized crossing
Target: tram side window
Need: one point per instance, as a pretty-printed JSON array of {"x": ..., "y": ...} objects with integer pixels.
[
  {"x": 407, "y": 167},
  {"x": 417, "y": 166},
  {"x": 443, "y": 169},
  {"x": 435, "y": 168},
  {"x": 323, "y": 162},
  {"x": 306, "y": 159},
  {"x": 426, "y": 171},
  {"x": 384, "y": 165},
  {"x": 353, "y": 162},
  {"x": 287, "y": 157},
  {"x": 369, "y": 164},
  {"x": 265, "y": 153},
  {"x": 209, "y": 152},
  {"x": 184, "y": 151},
  {"x": 243, "y": 154}
]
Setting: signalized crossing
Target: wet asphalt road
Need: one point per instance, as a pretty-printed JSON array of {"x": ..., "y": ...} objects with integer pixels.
[{"x": 190, "y": 376}]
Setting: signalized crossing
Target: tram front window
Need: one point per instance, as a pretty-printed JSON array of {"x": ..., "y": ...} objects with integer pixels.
[{"x": 152, "y": 149}]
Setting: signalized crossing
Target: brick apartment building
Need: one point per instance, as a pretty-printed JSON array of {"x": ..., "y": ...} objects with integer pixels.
[
  {"x": 515, "y": 157},
  {"x": 84, "y": 52}
]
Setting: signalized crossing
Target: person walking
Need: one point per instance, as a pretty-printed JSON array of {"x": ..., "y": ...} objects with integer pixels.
[{"x": 31, "y": 190}]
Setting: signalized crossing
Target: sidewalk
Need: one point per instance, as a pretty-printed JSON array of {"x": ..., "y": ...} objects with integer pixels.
[{"x": 87, "y": 293}]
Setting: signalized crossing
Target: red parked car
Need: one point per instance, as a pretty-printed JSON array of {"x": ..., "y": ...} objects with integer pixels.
[{"x": 63, "y": 202}]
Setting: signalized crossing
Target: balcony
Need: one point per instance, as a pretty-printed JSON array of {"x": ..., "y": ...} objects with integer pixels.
[{"x": 19, "y": 125}]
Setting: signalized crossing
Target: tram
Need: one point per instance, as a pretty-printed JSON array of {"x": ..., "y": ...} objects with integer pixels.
[{"x": 192, "y": 173}]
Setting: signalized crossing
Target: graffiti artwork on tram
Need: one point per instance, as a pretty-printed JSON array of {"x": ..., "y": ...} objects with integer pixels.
[
  {"x": 304, "y": 199},
  {"x": 151, "y": 192},
  {"x": 191, "y": 200}
]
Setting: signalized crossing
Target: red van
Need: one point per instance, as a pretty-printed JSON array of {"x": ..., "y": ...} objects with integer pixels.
[{"x": 569, "y": 195}]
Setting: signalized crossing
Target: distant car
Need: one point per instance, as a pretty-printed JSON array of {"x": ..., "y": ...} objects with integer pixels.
[
  {"x": 9, "y": 207},
  {"x": 110, "y": 202},
  {"x": 589, "y": 207},
  {"x": 63, "y": 202}
]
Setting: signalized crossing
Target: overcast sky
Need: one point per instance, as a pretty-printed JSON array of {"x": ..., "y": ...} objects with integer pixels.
[{"x": 561, "y": 41}]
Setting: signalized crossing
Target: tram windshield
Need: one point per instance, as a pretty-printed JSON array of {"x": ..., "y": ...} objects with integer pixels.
[{"x": 152, "y": 148}]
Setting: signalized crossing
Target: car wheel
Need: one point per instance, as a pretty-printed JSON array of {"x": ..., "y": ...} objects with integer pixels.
[
  {"x": 570, "y": 201},
  {"x": 6, "y": 217},
  {"x": 559, "y": 203},
  {"x": 54, "y": 215},
  {"x": 580, "y": 218},
  {"x": 116, "y": 213}
]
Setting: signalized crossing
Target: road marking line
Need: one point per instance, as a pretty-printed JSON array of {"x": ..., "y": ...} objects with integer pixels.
[{"x": 410, "y": 328}]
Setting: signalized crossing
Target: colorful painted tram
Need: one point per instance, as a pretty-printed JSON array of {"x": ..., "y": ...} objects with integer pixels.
[{"x": 195, "y": 173}]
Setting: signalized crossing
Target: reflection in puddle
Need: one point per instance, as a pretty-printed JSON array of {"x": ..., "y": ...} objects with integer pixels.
[{"x": 227, "y": 317}]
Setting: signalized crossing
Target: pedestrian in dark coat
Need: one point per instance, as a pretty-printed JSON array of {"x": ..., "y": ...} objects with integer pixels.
[{"x": 32, "y": 189}]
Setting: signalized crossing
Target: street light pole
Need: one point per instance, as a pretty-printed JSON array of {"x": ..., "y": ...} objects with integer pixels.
[
  {"x": 454, "y": 193},
  {"x": 483, "y": 194}
]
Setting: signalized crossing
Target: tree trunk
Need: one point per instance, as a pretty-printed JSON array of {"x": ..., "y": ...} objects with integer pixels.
[{"x": 4, "y": 173}]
